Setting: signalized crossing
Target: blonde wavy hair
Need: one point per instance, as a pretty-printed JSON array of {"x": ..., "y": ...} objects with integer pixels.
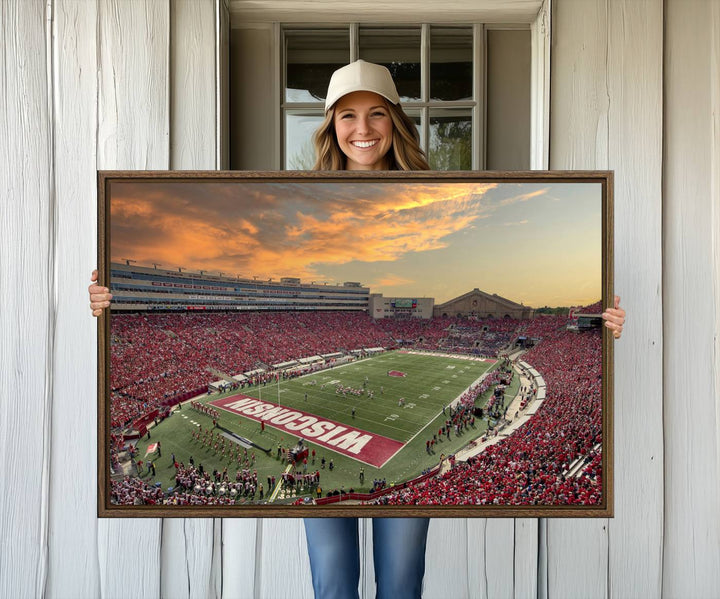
[{"x": 405, "y": 153}]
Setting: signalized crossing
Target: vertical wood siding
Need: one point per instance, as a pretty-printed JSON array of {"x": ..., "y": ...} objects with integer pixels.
[
  {"x": 715, "y": 229},
  {"x": 27, "y": 316},
  {"x": 692, "y": 397},
  {"x": 117, "y": 84},
  {"x": 240, "y": 559},
  {"x": 193, "y": 85},
  {"x": 526, "y": 558},
  {"x": 635, "y": 535},
  {"x": 540, "y": 89},
  {"x": 607, "y": 113},
  {"x": 133, "y": 133},
  {"x": 577, "y": 550},
  {"x": 282, "y": 566},
  {"x": 451, "y": 558},
  {"x": 73, "y": 523}
]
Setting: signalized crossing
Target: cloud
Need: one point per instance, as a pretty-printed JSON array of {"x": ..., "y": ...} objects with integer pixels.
[
  {"x": 524, "y": 197},
  {"x": 356, "y": 229},
  {"x": 277, "y": 229},
  {"x": 143, "y": 231}
]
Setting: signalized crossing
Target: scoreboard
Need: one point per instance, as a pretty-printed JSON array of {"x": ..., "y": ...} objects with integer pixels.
[
  {"x": 403, "y": 302},
  {"x": 400, "y": 307}
]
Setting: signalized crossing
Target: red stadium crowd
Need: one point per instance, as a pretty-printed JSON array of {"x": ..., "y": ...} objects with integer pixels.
[
  {"x": 157, "y": 358},
  {"x": 530, "y": 466}
]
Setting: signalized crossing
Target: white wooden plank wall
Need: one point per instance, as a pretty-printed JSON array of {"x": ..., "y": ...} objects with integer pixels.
[
  {"x": 133, "y": 133},
  {"x": 526, "y": 559},
  {"x": 74, "y": 416},
  {"x": 27, "y": 317},
  {"x": 445, "y": 539},
  {"x": 490, "y": 547},
  {"x": 715, "y": 193},
  {"x": 193, "y": 85},
  {"x": 114, "y": 84},
  {"x": 241, "y": 564},
  {"x": 607, "y": 113},
  {"x": 540, "y": 34},
  {"x": 692, "y": 397},
  {"x": 577, "y": 550},
  {"x": 634, "y": 86},
  {"x": 282, "y": 566}
]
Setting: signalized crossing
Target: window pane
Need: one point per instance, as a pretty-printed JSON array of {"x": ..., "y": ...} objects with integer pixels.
[
  {"x": 398, "y": 50},
  {"x": 451, "y": 57},
  {"x": 311, "y": 58},
  {"x": 414, "y": 115},
  {"x": 450, "y": 147},
  {"x": 299, "y": 149}
]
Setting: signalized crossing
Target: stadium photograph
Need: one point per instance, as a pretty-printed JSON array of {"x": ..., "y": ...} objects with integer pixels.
[{"x": 343, "y": 343}]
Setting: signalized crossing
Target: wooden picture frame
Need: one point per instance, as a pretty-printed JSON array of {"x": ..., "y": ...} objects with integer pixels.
[{"x": 421, "y": 333}]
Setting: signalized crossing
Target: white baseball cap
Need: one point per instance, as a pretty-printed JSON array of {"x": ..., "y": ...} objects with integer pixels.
[{"x": 361, "y": 76}]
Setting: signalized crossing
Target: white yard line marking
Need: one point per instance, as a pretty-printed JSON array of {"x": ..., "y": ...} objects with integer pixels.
[{"x": 276, "y": 490}]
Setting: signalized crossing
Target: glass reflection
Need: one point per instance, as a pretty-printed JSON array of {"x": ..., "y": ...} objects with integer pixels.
[
  {"x": 451, "y": 59},
  {"x": 399, "y": 50},
  {"x": 299, "y": 149},
  {"x": 450, "y": 146},
  {"x": 311, "y": 58}
]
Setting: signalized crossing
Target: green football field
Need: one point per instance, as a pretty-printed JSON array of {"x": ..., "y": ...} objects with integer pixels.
[{"x": 430, "y": 382}]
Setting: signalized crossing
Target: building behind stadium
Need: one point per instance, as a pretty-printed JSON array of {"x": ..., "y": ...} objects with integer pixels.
[
  {"x": 140, "y": 288},
  {"x": 483, "y": 305}
]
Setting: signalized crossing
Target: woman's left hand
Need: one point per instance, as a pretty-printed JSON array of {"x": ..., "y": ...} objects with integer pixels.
[{"x": 615, "y": 318}]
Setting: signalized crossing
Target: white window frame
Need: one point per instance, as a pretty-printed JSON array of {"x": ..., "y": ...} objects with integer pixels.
[
  {"x": 476, "y": 106},
  {"x": 539, "y": 22}
]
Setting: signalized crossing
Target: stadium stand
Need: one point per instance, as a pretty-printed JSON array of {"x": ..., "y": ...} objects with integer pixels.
[
  {"x": 159, "y": 359},
  {"x": 528, "y": 467}
]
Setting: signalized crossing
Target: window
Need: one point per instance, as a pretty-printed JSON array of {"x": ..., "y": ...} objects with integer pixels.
[
  {"x": 466, "y": 86},
  {"x": 434, "y": 69}
]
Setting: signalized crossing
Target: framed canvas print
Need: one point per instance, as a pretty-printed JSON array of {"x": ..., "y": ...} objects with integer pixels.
[{"x": 355, "y": 344}]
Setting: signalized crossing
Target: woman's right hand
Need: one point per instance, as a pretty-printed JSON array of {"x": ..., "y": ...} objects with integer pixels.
[{"x": 99, "y": 296}]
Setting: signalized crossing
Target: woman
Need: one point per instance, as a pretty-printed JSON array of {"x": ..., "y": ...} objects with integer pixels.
[
  {"x": 364, "y": 126},
  {"x": 365, "y": 129}
]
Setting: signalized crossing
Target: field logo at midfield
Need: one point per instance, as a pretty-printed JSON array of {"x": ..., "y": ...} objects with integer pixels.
[
  {"x": 366, "y": 447},
  {"x": 396, "y": 373}
]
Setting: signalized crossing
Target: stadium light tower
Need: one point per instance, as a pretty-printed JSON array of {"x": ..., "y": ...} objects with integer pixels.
[
  {"x": 128, "y": 262},
  {"x": 180, "y": 268},
  {"x": 156, "y": 265}
]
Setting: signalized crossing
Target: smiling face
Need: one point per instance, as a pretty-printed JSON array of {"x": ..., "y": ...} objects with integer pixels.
[{"x": 364, "y": 130}]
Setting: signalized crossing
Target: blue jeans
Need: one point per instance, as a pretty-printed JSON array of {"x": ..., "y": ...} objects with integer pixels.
[{"x": 398, "y": 552}]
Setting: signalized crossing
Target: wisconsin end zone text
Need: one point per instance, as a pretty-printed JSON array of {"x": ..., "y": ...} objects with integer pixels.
[{"x": 369, "y": 448}]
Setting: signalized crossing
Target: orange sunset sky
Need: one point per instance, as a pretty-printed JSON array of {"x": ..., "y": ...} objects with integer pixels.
[{"x": 535, "y": 243}]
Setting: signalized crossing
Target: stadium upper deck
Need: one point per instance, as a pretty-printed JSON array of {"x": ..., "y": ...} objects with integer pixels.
[{"x": 139, "y": 288}]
